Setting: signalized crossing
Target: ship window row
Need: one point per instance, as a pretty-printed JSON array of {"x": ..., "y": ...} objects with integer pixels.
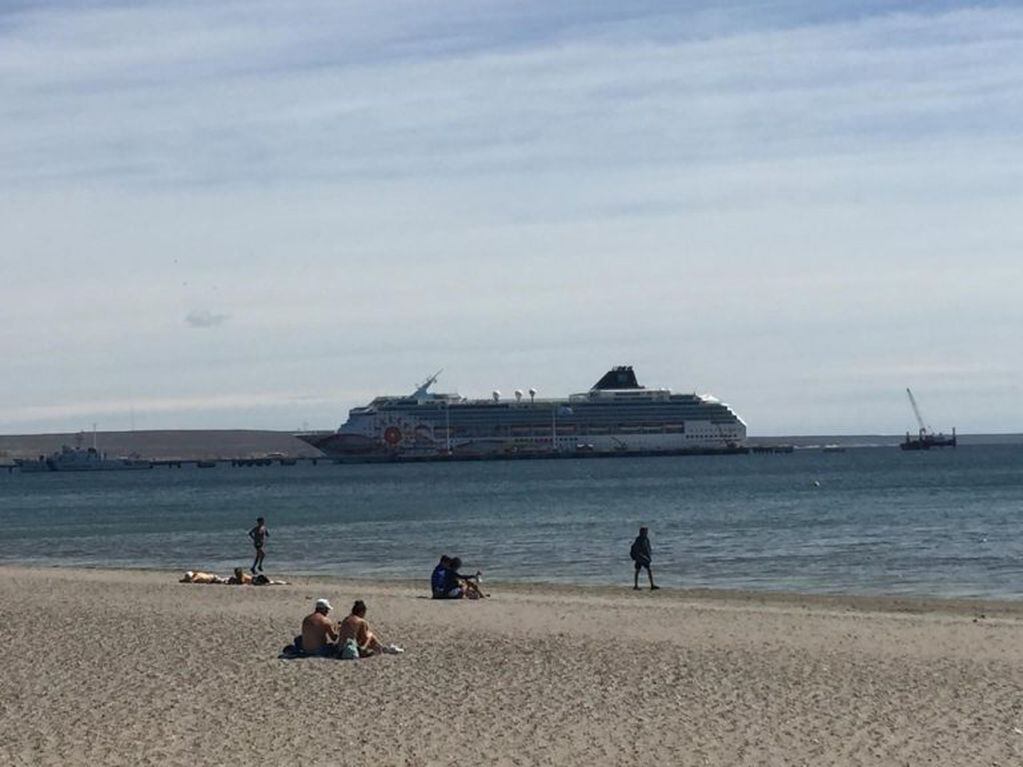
[
  {"x": 494, "y": 409},
  {"x": 525, "y": 431},
  {"x": 576, "y": 413}
]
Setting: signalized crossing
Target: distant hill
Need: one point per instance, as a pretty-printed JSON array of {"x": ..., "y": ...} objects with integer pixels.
[{"x": 191, "y": 444}]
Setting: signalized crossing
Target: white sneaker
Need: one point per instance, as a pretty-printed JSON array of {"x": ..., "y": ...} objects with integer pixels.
[{"x": 392, "y": 649}]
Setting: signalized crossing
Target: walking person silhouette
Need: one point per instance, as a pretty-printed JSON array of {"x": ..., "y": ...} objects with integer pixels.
[{"x": 642, "y": 555}]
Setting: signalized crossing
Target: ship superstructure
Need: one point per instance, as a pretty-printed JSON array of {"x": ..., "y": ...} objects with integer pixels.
[{"x": 615, "y": 417}]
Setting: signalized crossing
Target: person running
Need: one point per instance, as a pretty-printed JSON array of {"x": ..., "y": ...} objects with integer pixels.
[
  {"x": 318, "y": 631},
  {"x": 355, "y": 638},
  {"x": 642, "y": 555},
  {"x": 259, "y": 534}
]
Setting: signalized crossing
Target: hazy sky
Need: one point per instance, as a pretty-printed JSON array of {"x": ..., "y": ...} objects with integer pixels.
[{"x": 259, "y": 214}]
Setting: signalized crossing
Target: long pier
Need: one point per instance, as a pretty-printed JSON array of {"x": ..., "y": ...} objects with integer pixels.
[{"x": 212, "y": 463}]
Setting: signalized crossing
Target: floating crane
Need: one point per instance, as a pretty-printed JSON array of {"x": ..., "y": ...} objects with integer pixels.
[
  {"x": 926, "y": 439},
  {"x": 916, "y": 411}
]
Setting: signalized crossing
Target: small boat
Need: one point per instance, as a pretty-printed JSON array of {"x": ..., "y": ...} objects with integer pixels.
[
  {"x": 925, "y": 438},
  {"x": 90, "y": 459},
  {"x": 82, "y": 459}
]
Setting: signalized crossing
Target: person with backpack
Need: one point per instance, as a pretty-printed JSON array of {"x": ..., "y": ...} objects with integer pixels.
[{"x": 642, "y": 555}]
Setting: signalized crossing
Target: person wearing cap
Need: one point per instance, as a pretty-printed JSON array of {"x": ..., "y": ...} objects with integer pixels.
[{"x": 318, "y": 631}]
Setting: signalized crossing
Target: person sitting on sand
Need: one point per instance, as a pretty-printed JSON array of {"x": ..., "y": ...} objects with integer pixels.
[
  {"x": 355, "y": 638},
  {"x": 439, "y": 577},
  {"x": 240, "y": 578},
  {"x": 458, "y": 586},
  {"x": 318, "y": 631}
]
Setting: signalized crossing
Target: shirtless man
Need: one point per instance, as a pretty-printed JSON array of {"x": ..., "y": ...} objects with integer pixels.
[
  {"x": 259, "y": 534},
  {"x": 355, "y": 627},
  {"x": 318, "y": 630}
]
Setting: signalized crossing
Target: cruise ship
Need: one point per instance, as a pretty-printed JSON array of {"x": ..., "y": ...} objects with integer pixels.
[{"x": 616, "y": 417}]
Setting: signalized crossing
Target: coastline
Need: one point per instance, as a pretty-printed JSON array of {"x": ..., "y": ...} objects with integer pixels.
[
  {"x": 778, "y": 598},
  {"x": 766, "y": 598},
  {"x": 147, "y": 670}
]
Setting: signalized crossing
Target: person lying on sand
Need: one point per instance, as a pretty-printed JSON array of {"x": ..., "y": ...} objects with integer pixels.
[
  {"x": 318, "y": 631},
  {"x": 355, "y": 638},
  {"x": 195, "y": 576},
  {"x": 263, "y": 580},
  {"x": 240, "y": 577}
]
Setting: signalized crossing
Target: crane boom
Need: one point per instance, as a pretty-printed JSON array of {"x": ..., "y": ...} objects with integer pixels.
[{"x": 916, "y": 412}]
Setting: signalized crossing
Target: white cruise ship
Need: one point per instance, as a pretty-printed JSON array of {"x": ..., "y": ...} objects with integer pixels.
[{"x": 614, "y": 418}]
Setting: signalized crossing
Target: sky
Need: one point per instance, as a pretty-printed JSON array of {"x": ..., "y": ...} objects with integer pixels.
[{"x": 260, "y": 214}]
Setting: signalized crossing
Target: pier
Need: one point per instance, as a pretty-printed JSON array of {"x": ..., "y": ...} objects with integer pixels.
[{"x": 245, "y": 462}]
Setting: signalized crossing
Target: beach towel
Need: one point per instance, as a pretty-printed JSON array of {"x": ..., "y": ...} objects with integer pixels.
[{"x": 349, "y": 650}]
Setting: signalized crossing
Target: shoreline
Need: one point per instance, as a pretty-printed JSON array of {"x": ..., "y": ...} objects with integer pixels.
[{"x": 866, "y": 603}]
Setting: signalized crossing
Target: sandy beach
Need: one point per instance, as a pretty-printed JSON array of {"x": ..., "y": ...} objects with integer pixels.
[{"x": 140, "y": 669}]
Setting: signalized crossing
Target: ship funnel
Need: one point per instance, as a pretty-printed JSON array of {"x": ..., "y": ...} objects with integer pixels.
[
  {"x": 532, "y": 394},
  {"x": 518, "y": 395},
  {"x": 496, "y": 395}
]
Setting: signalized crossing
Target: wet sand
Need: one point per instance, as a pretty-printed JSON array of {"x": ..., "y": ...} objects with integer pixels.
[{"x": 139, "y": 669}]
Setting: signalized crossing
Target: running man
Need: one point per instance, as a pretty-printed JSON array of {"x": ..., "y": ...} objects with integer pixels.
[
  {"x": 642, "y": 555},
  {"x": 259, "y": 534}
]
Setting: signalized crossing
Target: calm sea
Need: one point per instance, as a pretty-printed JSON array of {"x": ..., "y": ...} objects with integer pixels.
[{"x": 867, "y": 521}]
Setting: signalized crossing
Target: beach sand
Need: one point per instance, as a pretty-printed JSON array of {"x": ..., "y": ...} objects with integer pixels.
[{"x": 140, "y": 669}]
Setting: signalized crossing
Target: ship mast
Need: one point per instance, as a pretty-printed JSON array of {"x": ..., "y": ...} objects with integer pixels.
[{"x": 421, "y": 390}]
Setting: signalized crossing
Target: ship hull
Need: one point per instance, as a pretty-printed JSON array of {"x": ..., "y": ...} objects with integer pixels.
[
  {"x": 927, "y": 444},
  {"x": 341, "y": 451}
]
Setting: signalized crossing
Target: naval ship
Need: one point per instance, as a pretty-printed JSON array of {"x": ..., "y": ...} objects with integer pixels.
[{"x": 616, "y": 417}]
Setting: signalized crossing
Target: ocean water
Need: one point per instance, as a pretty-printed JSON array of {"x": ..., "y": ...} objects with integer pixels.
[{"x": 866, "y": 521}]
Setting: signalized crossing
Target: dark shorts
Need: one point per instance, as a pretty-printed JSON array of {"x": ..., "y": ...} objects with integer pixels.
[
  {"x": 455, "y": 593},
  {"x": 641, "y": 563}
]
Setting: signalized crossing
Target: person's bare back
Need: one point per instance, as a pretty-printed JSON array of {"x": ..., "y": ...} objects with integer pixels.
[
  {"x": 317, "y": 629},
  {"x": 354, "y": 626}
]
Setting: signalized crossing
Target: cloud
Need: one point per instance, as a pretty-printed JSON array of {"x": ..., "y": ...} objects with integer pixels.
[
  {"x": 204, "y": 318},
  {"x": 737, "y": 197}
]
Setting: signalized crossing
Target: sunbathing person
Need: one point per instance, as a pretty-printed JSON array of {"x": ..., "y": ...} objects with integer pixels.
[
  {"x": 318, "y": 631},
  {"x": 195, "y": 576},
  {"x": 262, "y": 580},
  {"x": 240, "y": 577},
  {"x": 355, "y": 638}
]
